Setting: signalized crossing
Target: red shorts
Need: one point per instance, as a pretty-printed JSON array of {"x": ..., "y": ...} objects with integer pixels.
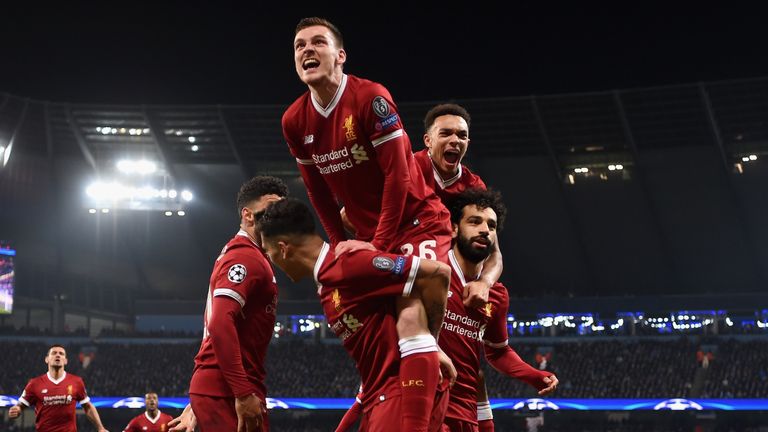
[
  {"x": 215, "y": 414},
  {"x": 451, "y": 424},
  {"x": 430, "y": 239},
  {"x": 385, "y": 416}
]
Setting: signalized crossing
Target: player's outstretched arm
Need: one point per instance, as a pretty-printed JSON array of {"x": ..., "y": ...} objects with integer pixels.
[
  {"x": 186, "y": 422},
  {"x": 350, "y": 417},
  {"x": 93, "y": 416}
]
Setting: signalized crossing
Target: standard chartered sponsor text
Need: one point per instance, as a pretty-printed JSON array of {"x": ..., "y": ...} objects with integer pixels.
[{"x": 332, "y": 156}]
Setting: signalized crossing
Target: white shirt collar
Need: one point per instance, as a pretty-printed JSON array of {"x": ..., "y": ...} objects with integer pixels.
[
  {"x": 152, "y": 420},
  {"x": 443, "y": 183},
  {"x": 63, "y": 375},
  {"x": 245, "y": 234},
  {"x": 326, "y": 111}
]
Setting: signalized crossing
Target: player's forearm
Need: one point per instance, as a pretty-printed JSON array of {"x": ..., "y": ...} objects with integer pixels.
[
  {"x": 226, "y": 346},
  {"x": 492, "y": 267},
  {"x": 93, "y": 416},
  {"x": 506, "y": 361},
  {"x": 324, "y": 202},
  {"x": 397, "y": 179},
  {"x": 350, "y": 417}
]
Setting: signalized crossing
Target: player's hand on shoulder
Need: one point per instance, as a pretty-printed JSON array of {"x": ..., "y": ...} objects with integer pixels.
[
  {"x": 552, "y": 383},
  {"x": 352, "y": 246},
  {"x": 476, "y": 294}
]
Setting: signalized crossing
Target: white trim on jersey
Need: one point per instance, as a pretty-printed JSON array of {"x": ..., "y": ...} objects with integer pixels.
[
  {"x": 151, "y": 420},
  {"x": 325, "y": 112},
  {"x": 22, "y": 400},
  {"x": 319, "y": 263},
  {"x": 390, "y": 136},
  {"x": 229, "y": 293},
  {"x": 411, "y": 276},
  {"x": 457, "y": 269},
  {"x": 84, "y": 401},
  {"x": 63, "y": 375},
  {"x": 305, "y": 161},
  {"x": 417, "y": 344},
  {"x": 484, "y": 411},
  {"x": 243, "y": 233},
  {"x": 440, "y": 182},
  {"x": 496, "y": 344}
]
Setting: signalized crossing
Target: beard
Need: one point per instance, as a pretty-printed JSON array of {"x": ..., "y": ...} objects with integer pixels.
[{"x": 471, "y": 253}]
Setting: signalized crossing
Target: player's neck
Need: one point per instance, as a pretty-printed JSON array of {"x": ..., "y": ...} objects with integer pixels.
[
  {"x": 324, "y": 91},
  {"x": 310, "y": 252},
  {"x": 56, "y": 372},
  {"x": 470, "y": 269},
  {"x": 253, "y": 234},
  {"x": 152, "y": 413}
]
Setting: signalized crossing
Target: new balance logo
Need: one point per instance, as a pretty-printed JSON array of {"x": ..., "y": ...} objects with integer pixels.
[
  {"x": 309, "y": 139},
  {"x": 359, "y": 154}
]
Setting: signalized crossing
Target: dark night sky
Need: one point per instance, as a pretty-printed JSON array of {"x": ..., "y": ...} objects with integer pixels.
[{"x": 229, "y": 53}]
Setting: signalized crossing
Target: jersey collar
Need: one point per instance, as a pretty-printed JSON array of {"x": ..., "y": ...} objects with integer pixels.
[
  {"x": 325, "y": 112},
  {"x": 245, "y": 234},
  {"x": 458, "y": 270},
  {"x": 440, "y": 182},
  {"x": 63, "y": 375},
  {"x": 152, "y": 420}
]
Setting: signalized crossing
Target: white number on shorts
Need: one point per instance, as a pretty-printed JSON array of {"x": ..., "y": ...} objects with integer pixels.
[{"x": 426, "y": 249}]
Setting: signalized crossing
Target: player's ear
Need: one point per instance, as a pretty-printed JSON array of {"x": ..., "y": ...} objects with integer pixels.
[
  {"x": 455, "y": 231},
  {"x": 427, "y": 141},
  {"x": 342, "y": 58},
  {"x": 284, "y": 249}
]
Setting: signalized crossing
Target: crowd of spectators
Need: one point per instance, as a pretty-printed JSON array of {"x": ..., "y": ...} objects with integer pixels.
[{"x": 622, "y": 368}]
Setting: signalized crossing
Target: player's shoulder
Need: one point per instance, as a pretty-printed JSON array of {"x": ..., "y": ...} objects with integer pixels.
[
  {"x": 290, "y": 116},
  {"x": 366, "y": 90},
  {"x": 472, "y": 179},
  {"x": 499, "y": 292}
]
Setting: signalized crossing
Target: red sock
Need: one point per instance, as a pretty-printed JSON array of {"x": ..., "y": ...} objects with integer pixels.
[{"x": 419, "y": 375}]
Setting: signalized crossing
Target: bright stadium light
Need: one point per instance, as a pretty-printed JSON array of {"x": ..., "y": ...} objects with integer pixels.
[
  {"x": 195, "y": 148},
  {"x": 141, "y": 167},
  {"x": 186, "y": 195},
  {"x": 192, "y": 139},
  {"x": 92, "y": 211},
  {"x": 169, "y": 213},
  {"x": 172, "y": 193},
  {"x": 181, "y": 213},
  {"x": 105, "y": 210}
]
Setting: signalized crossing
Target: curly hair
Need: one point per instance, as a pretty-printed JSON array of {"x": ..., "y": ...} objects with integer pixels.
[
  {"x": 482, "y": 198},
  {"x": 287, "y": 217},
  {"x": 257, "y": 187}
]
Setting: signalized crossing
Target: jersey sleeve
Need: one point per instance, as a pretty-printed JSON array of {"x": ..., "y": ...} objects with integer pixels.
[
  {"x": 496, "y": 335},
  {"x": 239, "y": 273},
  {"x": 382, "y": 124},
  {"x": 28, "y": 395},
  {"x": 369, "y": 274},
  {"x": 81, "y": 396}
]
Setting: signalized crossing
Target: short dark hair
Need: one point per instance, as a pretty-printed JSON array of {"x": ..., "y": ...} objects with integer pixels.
[
  {"x": 55, "y": 346},
  {"x": 482, "y": 198},
  {"x": 445, "y": 109},
  {"x": 287, "y": 217},
  {"x": 317, "y": 21},
  {"x": 257, "y": 187}
]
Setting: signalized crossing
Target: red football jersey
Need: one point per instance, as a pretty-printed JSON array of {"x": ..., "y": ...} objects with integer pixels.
[
  {"x": 358, "y": 292},
  {"x": 462, "y": 336},
  {"x": 243, "y": 274},
  {"x": 446, "y": 189},
  {"x": 356, "y": 152},
  {"x": 144, "y": 423},
  {"x": 55, "y": 401}
]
